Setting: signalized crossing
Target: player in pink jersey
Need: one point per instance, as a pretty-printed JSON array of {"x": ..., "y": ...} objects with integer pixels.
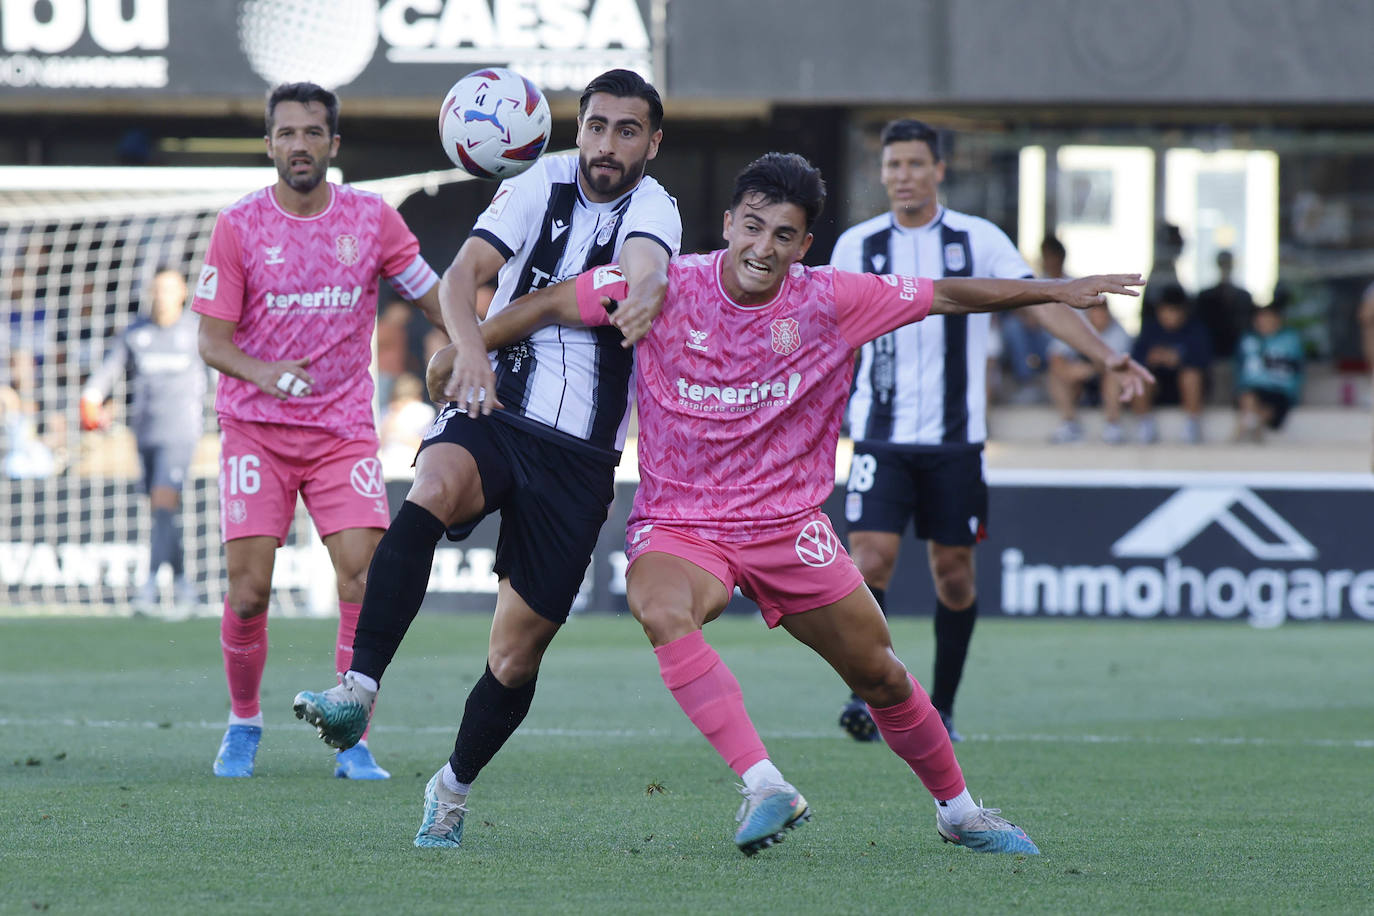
[
  {"x": 741, "y": 385},
  {"x": 288, "y": 299}
]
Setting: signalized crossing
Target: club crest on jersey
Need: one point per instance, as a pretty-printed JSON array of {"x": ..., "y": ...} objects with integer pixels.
[
  {"x": 346, "y": 249},
  {"x": 786, "y": 335},
  {"x": 817, "y": 544},
  {"x": 879, "y": 261},
  {"x": 604, "y": 235},
  {"x": 954, "y": 258}
]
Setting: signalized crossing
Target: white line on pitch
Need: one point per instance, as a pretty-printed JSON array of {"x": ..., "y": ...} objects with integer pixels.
[{"x": 1218, "y": 740}]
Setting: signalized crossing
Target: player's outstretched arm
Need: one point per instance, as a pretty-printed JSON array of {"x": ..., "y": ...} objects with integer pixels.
[
  {"x": 1068, "y": 325},
  {"x": 962, "y": 295},
  {"x": 644, "y": 263},
  {"x": 282, "y": 379}
]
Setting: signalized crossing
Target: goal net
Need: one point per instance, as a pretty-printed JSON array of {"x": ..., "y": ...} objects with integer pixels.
[{"x": 77, "y": 249}]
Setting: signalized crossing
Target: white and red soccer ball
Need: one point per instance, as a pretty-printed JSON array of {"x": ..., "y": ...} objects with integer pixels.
[{"x": 494, "y": 123}]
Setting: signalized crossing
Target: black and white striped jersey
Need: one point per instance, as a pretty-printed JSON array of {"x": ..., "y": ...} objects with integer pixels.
[
  {"x": 570, "y": 384},
  {"x": 925, "y": 384}
]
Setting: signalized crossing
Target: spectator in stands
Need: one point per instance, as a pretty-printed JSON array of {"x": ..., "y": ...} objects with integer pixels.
[
  {"x": 1269, "y": 373},
  {"x": 1225, "y": 309},
  {"x": 1164, "y": 271},
  {"x": 393, "y": 348},
  {"x": 403, "y": 425},
  {"x": 1174, "y": 346},
  {"x": 1074, "y": 380},
  {"x": 1025, "y": 344},
  {"x": 168, "y": 382},
  {"x": 26, "y": 454}
]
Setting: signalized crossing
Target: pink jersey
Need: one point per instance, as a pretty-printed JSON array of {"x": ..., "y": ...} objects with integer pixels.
[
  {"x": 740, "y": 406},
  {"x": 307, "y": 286}
]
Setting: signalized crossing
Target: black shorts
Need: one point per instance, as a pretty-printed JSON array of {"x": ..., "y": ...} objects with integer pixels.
[
  {"x": 942, "y": 491},
  {"x": 553, "y": 501},
  {"x": 1277, "y": 402},
  {"x": 165, "y": 464}
]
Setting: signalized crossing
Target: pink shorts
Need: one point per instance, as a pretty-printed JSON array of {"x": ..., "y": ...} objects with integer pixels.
[
  {"x": 262, "y": 466},
  {"x": 799, "y": 568}
]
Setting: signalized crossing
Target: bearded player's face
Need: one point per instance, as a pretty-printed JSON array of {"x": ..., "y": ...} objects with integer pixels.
[
  {"x": 615, "y": 144},
  {"x": 301, "y": 145}
]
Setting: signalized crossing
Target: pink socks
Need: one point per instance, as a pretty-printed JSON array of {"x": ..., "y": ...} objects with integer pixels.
[
  {"x": 348, "y": 628},
  {"x": 244, "y": 643},
  {"x": 915, "y": 733},
  {"x": 343, "y": 646},
  {"x": 710, "y": 695}
]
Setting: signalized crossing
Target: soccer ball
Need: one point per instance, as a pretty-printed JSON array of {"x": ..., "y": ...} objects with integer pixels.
[{"x": 494, "y": 123}]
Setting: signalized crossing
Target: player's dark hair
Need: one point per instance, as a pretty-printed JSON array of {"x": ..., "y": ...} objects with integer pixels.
[
  {"x": 624, "y": 84},
  {"x": 904, "y": 129},
  {"x": 304, "y": 93},
  {"x": 783, "y": 178},
  {"x": 1052, "y": 245}
]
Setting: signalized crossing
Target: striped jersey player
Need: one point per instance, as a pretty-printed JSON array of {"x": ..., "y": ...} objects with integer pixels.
[
  {"x": 918, "y": 414},
  {"x": 545, "y": 461}
]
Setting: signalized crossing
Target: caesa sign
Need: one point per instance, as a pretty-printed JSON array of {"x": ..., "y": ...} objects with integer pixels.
[
  {"x": 153, "y": 44},
  {"x": 559, "y": 44},
  {"x": 83, "y": 43}
]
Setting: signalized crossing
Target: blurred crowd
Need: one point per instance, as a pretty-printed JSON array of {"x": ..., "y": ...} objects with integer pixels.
[{"x": 1216, "y": 346}]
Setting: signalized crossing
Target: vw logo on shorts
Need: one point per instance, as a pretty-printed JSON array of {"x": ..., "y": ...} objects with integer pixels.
[
  {"x": 816, "y": 545},
  {"x": 366, "y": 478}
]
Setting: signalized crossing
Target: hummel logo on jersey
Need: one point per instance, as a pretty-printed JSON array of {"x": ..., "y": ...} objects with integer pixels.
[
  {"x": 329, "y": 297},
  {"x": 556, "y": 229},
  {"x": 273, "y": 253},
  {"x": 697, "y": 341},
  {"x": 745, "y": 394}
]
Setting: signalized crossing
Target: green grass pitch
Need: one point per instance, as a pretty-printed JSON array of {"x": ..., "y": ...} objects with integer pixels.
[{"x": 1161, "y": 767}]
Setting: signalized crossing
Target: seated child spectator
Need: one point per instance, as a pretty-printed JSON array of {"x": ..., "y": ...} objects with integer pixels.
[
  {"x": 1074, "y": 380},
  {"x": 1269, "y": 364},
  {"x": 1175, "y": 347}
]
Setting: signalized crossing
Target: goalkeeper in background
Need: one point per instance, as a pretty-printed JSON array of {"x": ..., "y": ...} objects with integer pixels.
[{"x": 168, "y": 382}]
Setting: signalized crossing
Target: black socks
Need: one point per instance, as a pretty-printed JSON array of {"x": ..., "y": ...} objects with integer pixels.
[
  {"x": 396, "y": 584},
  {"x": 953, "y": 630},
  {"x": 493, "y": 713}
]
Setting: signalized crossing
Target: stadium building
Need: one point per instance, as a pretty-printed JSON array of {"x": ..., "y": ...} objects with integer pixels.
[{"x": 1247, "y": 126}]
